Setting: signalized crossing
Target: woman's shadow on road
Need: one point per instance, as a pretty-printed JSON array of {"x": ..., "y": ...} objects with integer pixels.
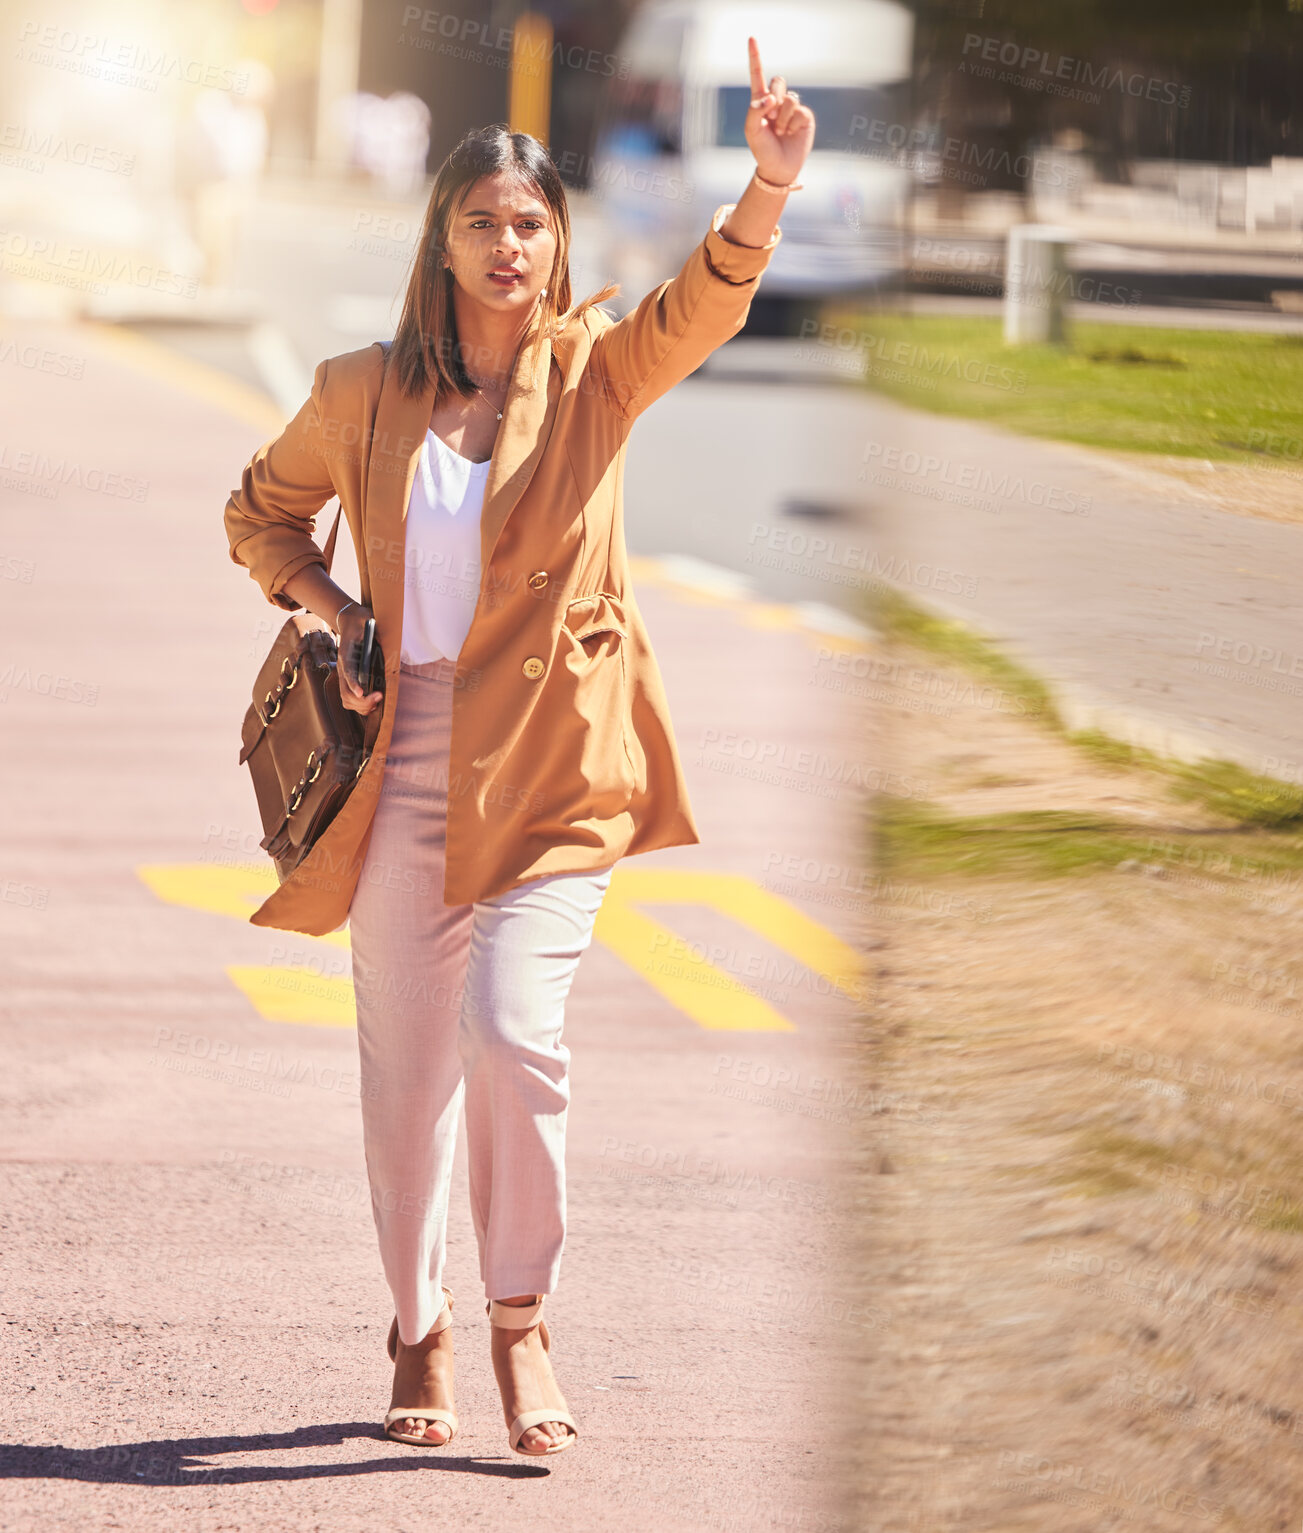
[{"x": 179, "y": 1461}]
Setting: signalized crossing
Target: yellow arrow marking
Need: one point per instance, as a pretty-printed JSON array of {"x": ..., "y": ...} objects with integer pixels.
[
  {"x": 697, "y": 988},
  {"x": 669, "y": 962},
  {"x": 287, "y": 995},
  {"x": 712, "y": 998},
  {"x": 220, "y": 891}
]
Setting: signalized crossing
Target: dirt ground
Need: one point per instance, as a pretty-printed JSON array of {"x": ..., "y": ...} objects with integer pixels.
[
  {"x": 1081, "y": 1203},
  {"x": 1272, "y": 490}
]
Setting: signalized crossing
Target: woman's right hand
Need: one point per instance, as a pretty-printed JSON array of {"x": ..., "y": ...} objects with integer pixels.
[{"x": 351, "y": 695}]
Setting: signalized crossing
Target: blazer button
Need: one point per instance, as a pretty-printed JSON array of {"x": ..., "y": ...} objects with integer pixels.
[
  {"x": 538, "y": 578},
  {"x": 533, "y": 667}
]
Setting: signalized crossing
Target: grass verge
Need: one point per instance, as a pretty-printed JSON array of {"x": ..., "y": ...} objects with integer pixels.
[
  {"x": 1221, "y": 786},
  {"x": 1227, "y": 395}
]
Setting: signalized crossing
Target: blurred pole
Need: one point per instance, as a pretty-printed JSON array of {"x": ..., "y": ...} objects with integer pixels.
[
  {"x": 337, "y": 78},
  {"x": 1036, "y": 282},
  {"x": 530, "y": 104}
]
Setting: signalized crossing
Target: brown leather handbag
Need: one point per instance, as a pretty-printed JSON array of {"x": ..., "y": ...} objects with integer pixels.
[{"x": 304, "y": 749}]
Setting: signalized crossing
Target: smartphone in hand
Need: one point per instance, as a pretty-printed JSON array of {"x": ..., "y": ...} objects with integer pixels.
[{"x": 368, "y": 661}]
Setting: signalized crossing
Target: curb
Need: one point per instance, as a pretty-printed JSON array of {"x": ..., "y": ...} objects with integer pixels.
[{"x": 1082, "y": 708}]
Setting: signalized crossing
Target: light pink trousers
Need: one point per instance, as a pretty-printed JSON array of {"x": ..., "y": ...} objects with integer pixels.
[{"x": 459, "y": 1003}]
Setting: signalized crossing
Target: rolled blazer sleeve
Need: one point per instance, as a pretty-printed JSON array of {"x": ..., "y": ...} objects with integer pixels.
[
  {"x": 270, "y": 519},
  {"x": 678, "y": 324}
]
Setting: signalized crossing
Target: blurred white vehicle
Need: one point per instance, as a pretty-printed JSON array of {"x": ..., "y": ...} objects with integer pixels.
[{"x": 670, "y": 145}]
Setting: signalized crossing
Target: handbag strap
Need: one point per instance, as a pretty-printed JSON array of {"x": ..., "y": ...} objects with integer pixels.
[
  {"x": 371, "y": 721},
  {"x": 329, "y": 549}
]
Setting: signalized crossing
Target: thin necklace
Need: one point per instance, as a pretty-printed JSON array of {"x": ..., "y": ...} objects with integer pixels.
[
  {"x": 510, "y": 374},
  {"x": 486, "y": 398}
]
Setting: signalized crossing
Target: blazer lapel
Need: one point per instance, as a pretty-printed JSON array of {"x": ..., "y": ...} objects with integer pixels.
[
  {"x": 400, "y": 427},
  {"x": 527, "y": 418}
]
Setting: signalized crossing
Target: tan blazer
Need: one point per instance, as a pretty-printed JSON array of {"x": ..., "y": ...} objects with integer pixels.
[{"x": 562, "y": 755}]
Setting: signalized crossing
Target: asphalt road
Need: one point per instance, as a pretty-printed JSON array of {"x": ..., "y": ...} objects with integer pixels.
[{"x": 195, "y": 1310}]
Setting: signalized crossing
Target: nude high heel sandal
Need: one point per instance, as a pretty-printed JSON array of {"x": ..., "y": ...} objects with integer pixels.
[
  {"x": 426, "y": 1413},
  {"x": 519, "y": 1317}
]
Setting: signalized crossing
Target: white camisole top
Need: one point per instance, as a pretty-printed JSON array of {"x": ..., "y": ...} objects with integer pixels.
[{"x": 441, "y": 575}]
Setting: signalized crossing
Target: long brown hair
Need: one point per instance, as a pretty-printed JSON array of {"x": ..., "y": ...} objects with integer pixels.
[{"x": 425, "y": 342}]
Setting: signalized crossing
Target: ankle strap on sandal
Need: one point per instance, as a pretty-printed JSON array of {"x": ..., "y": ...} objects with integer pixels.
[
  {"x": 513, "y": 1317},
  {"x": 444, "y": 1318}
]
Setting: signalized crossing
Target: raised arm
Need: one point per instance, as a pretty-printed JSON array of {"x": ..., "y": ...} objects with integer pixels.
[
  {"x": 269, "y": 520},
  {"x": 678, "y": 324}
]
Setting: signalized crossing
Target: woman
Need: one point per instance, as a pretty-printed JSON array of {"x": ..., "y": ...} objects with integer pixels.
[{"x": 478, "y": 462}]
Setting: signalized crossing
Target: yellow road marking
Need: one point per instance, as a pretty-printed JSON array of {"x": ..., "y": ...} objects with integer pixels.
[
  {"x": 215, "y": 388},
  {"x": 668, "y": 962},
  {"x": 770, "y": 615},
  {"x": 674, "y": 966},
  {"x": 221, "y": 891},
  {"x": 710, "y": 997},
  {"x": 755, "y": 613},
  {"x": 288, "y": 995}
]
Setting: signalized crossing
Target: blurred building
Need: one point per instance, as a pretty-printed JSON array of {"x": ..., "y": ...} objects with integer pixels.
[
  {"x": 1113, "y": 110},
  {"x": 459, "y": 64}
]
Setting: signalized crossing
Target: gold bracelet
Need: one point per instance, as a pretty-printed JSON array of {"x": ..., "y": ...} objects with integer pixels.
[{"x": 773, "y": 186}]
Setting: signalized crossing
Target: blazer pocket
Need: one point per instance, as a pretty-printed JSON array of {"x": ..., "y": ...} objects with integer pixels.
[
  {"x": 599, "y": 782},
  {"x": 599, "y": 613}
]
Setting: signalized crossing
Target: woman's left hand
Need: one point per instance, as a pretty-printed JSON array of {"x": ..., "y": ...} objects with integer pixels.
[{"x": 779, "y": 130}]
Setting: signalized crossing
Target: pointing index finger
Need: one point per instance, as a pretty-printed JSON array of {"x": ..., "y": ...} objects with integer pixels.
[{"x": 757, "y": 74}]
